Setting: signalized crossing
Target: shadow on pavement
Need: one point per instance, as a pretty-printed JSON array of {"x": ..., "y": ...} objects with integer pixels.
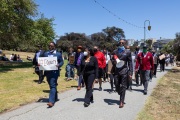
[
  {"x": 79, "y": 100},
  {"x": 43, "y": 100},
  {"x": 134, "y": 84},
  {"x": 95, "y": 88},
  {"x": 138, "y": 90},
  {"x": 111, "y": 102},
  {"x": 107, "y": 90}
]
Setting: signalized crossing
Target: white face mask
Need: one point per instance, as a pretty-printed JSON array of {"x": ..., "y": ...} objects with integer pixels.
[{"x": 85, "y": 53}]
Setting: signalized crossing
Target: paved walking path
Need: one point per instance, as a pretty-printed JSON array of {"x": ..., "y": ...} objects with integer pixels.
[{"x": 70, "y": 106}]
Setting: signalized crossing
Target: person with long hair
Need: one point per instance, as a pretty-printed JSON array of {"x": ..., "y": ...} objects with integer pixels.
[{"x": 89, "y": 71}]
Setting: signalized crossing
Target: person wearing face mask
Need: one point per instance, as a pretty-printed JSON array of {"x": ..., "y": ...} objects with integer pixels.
[
  {"x": 123, "y": 70},
  {"x": 52, "y": 75},
  {"x": 78, "y": 58},
  {"x": 89, "y": 71},
  {"x": 145, "y": 63},
  {"x": 101, "y": 65}
]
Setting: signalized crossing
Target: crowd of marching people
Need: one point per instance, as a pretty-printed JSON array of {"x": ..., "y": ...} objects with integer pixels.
[
  {"x": 92, "y": 65},
  {"x": 116, "y": 67}
]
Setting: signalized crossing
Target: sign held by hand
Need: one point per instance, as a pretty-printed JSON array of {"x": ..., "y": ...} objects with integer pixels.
[{"x": 47, "y": 63}]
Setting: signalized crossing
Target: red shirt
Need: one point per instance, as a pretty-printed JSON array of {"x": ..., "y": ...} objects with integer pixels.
[
  {"x": 144, "y": 61},
  {"x": 101, "y": 59}
]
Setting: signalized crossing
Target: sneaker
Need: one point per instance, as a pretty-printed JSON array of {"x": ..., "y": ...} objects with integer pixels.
[
  {"x": 100, "y": 88},
  {"x": 145, "y": 93}
]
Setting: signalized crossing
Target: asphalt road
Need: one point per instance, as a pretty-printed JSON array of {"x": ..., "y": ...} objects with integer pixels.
[{"x": 70, "y": 106}]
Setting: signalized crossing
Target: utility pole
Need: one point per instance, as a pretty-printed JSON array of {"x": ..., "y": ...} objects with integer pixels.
[{"x": 149, "y": 28}]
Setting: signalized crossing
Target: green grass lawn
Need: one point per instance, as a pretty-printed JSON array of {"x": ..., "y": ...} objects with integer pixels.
[{"x": 18, "y": 84}]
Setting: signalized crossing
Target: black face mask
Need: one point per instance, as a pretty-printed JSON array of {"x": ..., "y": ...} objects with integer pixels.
[{"x": 95, "y": 50}]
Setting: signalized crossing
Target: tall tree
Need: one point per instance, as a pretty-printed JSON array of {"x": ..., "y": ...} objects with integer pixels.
[
  {"x": 114, "y": 33},
  {"x": 176, "y": 46},
  {"x": 73, "y": 40},
  {"x": 15, "y": 20}
]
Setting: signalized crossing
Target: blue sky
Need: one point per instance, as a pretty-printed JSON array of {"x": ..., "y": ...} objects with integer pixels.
[{"x": 86, "y": 16}]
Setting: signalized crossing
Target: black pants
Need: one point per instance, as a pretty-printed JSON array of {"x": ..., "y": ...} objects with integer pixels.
[
  {"x": 39, "y": 73},
  {"x": 155, "y": 69},
  {"x": 111, "y": 76},
  {"x": 89, "y": 80},
  {"x": 162, "y": 66},
  {"x": 121, "y": 85},
  {"x": 105, "y": 75},
  {"x": 129, "y": 82},
  {"x": 137, "y": 74}
]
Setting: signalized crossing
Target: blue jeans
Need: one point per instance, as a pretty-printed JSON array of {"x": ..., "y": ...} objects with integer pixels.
[
  {"x": 70, "y": 70},
  {"x": 52, "y": 81},
  {"x": 81, "y": 81}
]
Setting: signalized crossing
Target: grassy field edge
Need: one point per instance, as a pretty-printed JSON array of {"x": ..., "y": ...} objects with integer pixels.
[{"x": 164, "y": 102}]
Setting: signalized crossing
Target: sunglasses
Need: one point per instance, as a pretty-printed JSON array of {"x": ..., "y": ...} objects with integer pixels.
[
  {"x": 121, "y": 42},
  {"x": 51, "y": 45}
]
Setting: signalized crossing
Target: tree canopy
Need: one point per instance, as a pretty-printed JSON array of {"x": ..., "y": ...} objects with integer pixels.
[
  {"x": 106, "y": 39},
  {"x": 19, "y": 28}
]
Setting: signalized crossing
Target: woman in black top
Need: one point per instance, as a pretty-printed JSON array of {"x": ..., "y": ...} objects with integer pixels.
[{"x": 89, "y": 70}]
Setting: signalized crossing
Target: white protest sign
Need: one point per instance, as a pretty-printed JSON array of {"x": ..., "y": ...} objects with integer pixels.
[{"x": 47, "y": 63}]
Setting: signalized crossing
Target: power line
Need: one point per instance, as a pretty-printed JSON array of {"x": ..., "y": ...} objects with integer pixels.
[{"x": 117, "y": 15}]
